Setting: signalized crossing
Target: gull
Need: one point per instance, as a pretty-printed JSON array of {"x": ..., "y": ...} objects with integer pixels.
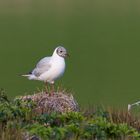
[{"x": 49, "y": 69}]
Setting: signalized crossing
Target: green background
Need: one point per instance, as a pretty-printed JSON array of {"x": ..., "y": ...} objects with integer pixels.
[{"x": 102, "y": 37}]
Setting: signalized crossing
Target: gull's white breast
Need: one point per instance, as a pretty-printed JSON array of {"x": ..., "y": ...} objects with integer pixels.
[{"x": 56, "y": 70}]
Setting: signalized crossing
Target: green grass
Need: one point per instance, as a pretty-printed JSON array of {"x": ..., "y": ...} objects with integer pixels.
[{"x": 18, "y": 121}]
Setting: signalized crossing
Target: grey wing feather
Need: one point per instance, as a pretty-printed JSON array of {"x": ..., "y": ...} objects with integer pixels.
[{"x": 42, "y": 66}]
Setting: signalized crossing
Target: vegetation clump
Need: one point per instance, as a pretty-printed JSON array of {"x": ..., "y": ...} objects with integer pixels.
[
  {"x": 58, "y": 102},
  {"x": 19, "y": 121}
]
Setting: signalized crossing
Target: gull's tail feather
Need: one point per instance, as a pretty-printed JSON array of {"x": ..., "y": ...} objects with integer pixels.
[
  {"x": 30, "y": 76},
  {"x": 26, "y": 75}
]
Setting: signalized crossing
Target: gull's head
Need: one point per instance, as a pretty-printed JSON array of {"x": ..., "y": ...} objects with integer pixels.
[{"x": 61, "y": 51}]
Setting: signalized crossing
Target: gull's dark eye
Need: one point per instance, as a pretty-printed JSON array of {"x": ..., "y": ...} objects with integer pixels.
[{"x": 61, "y": 51}]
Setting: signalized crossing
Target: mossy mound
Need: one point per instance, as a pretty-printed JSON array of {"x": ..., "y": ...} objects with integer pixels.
[{"x": 58, "y": 102}]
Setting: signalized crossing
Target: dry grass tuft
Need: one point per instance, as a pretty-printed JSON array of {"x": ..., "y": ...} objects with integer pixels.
[
  {"x": 116, "y": 116},
  {"x": 59, "y": 102},
  {"x": 123, "y": 116}
]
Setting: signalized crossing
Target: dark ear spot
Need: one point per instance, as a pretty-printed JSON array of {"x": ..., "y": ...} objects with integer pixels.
[{"x": 57, "y": 50}]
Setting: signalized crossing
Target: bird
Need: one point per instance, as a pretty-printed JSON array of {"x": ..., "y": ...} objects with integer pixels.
[{"x": 50, "y": 68}]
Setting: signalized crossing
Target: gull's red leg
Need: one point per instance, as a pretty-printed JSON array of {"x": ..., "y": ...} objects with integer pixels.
[
  {"x": 46, "y": 86},
  {"x": 52, "y": 89}
]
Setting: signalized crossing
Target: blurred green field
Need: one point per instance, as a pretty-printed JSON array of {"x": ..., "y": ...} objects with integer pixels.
[{"x": 102, "y": 38}]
